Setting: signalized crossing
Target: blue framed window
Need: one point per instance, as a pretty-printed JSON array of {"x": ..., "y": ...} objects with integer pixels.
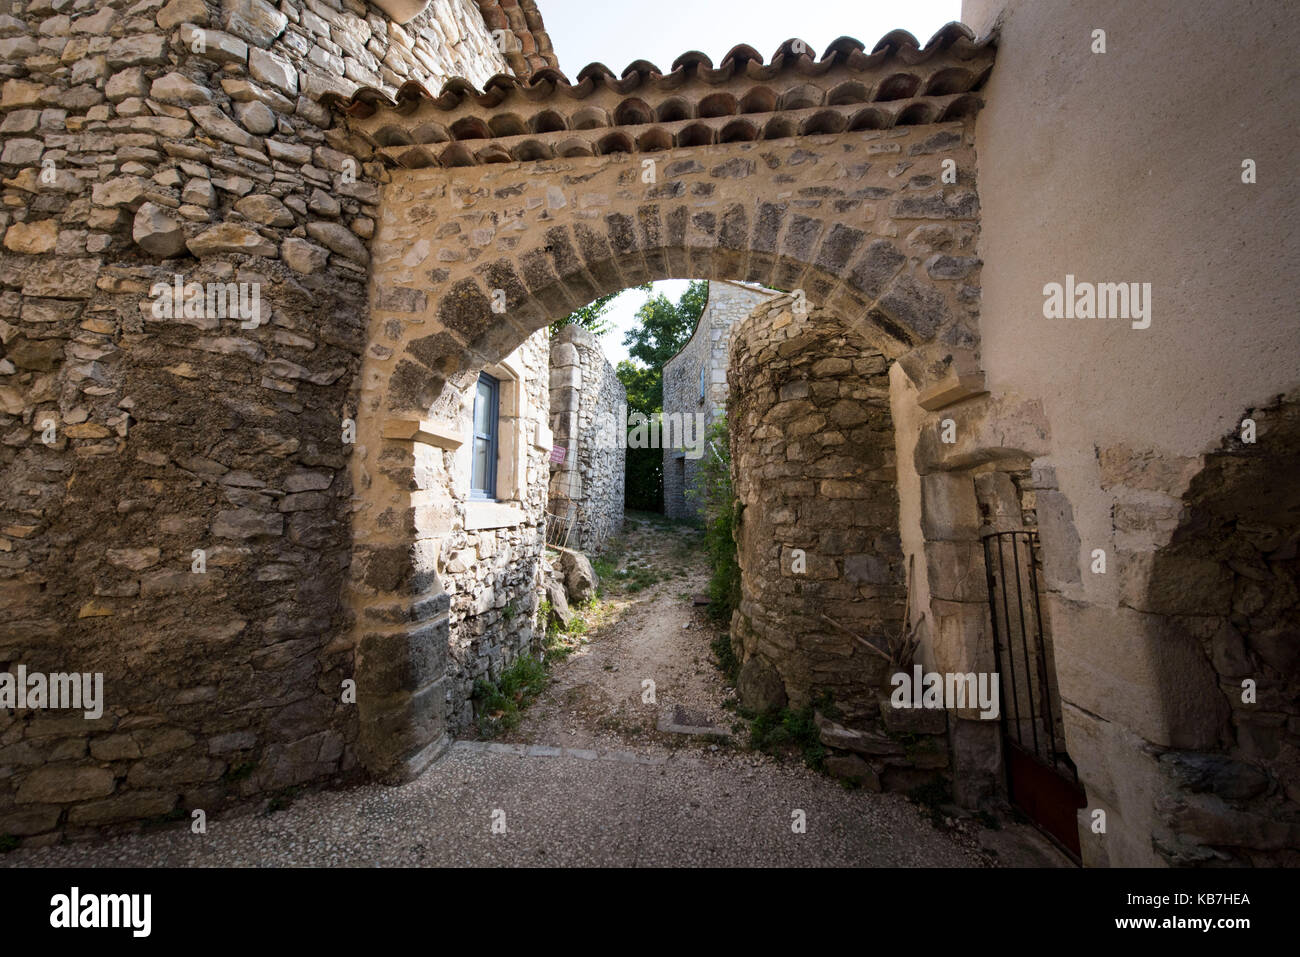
[
  {"x": 704, "y": 371},
  {"x": 483, "y": 467}
]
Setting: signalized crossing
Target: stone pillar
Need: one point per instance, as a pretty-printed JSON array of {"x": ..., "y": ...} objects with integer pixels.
[{"x": 813, "y": 462}]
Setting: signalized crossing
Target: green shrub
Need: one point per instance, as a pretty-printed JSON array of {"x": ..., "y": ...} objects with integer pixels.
[
  {"x": 717, "y": 499},
  {"x": 930, "y": 797},
  {"x": 500, "y": 702},
  {"x": 789, "y": 731},
  {"x": 727, "y": 661}
]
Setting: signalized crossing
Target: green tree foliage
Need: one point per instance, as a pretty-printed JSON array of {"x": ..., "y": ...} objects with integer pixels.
[
  {"x": 663, "y": 328},
  {"x": 590, "y": 316},
  {"x": 643, "y": 477},
  {"x": 721, "y": 510}
]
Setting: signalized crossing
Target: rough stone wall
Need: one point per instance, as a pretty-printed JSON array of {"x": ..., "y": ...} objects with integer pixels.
[
  {"x": 1228, "y": 584},
  {"x": 128, "y": 157},
  {"x": 587, "y": 407},
  {"x": 728, "y": 303},
  {"x": 814, "y": 470},
  {"x": 493, "y": 573}
]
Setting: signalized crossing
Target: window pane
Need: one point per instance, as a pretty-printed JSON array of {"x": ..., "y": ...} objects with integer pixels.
[
  {"x": 479, "y": 480},
  {"x": 483, "y": 409}
]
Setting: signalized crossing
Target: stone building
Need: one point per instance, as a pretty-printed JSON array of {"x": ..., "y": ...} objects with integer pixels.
[
  {"x": 290, "y": 536},
  {"x": 178, "y": 512},
  {"x": 695, "y": 385},
  {"x": 588, "y": 409}
]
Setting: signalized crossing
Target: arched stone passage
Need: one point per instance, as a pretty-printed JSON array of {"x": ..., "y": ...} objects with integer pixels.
[
  {"x": 815, "y": 475},
  {"x": 471, "y": 261}
]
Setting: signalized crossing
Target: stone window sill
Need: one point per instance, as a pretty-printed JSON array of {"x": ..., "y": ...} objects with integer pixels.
[{"x": 484, "y": 515}]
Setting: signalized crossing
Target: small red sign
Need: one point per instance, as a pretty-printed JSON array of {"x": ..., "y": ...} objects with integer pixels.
[{"x": 558, "y": 454}]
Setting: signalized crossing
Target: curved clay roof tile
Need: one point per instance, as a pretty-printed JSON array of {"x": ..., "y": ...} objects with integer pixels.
[
  {"x": 792, "y": 49},
  {"x": 950, "y": 33},
  {"x": 655, "y": 139},
  {"x": 896, "y": 40},
  {"x": 551, "y": 74},
  {"x": 457, "y": 154},
  {"x": 494, "y": 153},
  {"x": 457, "y": 84},
  {"x": 393, "y": 135},
  {"x": 597, "y": 71},
  {"x": 575, "y": 146},
  {"x": 642, "y": 68},
  {"x": 417, "y": 158},
  {"x": 793, "y": 56},
  {"x": 530, "y": 150},
  {"x": 966, "y": 105},
  {"x": 741, "y": 54},
  {"x": 371, "y": 97},
  {"x": 541, "y": 91},
  {"x": 501, "y": 81},
  {"x": 691, "y": 58},
  {"x": 845, "y": 46}
]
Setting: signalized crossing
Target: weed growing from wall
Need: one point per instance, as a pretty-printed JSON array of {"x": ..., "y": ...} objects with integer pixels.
[{"x": 721, "y": 510}]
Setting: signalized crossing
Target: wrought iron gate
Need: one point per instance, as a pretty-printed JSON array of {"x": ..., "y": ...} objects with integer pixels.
[{"x": 1041, "y": 779}]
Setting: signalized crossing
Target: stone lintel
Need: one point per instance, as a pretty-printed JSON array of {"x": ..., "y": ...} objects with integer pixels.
[
  {"x": 426, "y": 431},
  {"x": 952, "y": 389}
]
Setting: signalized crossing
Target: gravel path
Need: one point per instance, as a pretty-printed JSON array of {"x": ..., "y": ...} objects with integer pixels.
[
  {"x": 559, "y": 807},
  {"x": 589, "y": 778},
  {"x": 646, "y": 627}
]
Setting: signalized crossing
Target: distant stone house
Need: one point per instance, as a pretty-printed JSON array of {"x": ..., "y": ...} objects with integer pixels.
[{"x": 695, "y": 381}]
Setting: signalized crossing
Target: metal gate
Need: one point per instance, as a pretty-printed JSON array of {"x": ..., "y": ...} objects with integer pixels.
[{"x": 1041, "y": 779}]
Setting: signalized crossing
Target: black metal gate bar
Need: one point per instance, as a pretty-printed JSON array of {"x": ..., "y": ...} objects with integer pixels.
[
  {"x": 988, "y": 565},
  {"x": 1041, "y": 779},
  {"x": 1049, "y": 690},
  {"x": 1041, "y": 704},
  {"x": 1024, "y": 640}
]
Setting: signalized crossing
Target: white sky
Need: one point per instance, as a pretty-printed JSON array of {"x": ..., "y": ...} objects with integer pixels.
[{"x": 617, "y": 32}]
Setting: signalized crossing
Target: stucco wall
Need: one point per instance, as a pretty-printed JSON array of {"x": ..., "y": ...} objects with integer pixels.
[{"x": 1126, "y": 166}]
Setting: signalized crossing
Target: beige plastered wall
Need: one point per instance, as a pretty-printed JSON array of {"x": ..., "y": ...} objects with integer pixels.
[{"x": 1125, "y": 166}]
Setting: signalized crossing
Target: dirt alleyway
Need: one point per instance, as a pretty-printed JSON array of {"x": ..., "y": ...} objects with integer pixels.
[{"x": 645, "y": 626}]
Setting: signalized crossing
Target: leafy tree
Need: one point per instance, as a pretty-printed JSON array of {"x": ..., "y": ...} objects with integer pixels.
[
  {"x": 640, "y": 384},
  {"x": 664, "y": 326},
  {"x": 589, "y": 317}
]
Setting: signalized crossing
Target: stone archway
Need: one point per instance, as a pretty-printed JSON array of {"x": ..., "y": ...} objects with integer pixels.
[{"x": 848, "y": 181}]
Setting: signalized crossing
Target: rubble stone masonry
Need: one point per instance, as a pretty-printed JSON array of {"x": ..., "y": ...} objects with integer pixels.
[
  {"x": 588, "y": 404},
  {"x": 141, "y": 141}
]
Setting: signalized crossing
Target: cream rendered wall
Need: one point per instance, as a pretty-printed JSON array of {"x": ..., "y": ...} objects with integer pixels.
[{"x": 1126, "y": 166}]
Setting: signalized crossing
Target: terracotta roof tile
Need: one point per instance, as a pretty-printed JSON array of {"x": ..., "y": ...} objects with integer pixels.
[
  {"x": 545, "y": 114},
  {"x": 524, "y": 20}
]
